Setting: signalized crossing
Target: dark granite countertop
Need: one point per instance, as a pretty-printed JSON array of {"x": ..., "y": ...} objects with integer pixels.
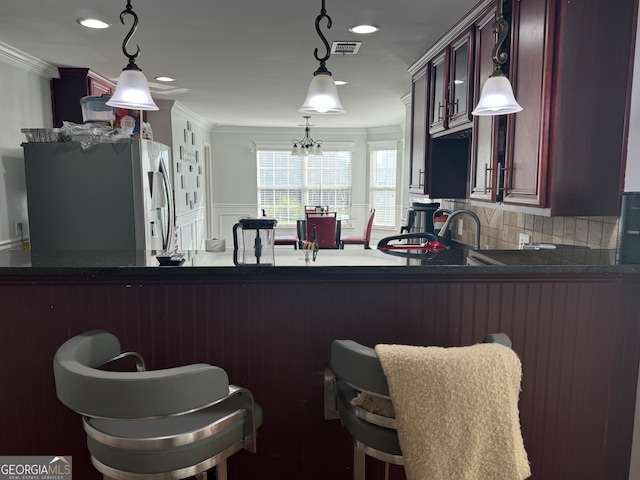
[{"x": 572, "y": 260}]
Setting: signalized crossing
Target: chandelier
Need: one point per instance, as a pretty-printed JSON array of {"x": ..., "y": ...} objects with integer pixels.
[{"x": 307, "y": 146}]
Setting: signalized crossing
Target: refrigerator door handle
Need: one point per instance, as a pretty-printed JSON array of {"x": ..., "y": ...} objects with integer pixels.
[{"x": 168, "y": 228}]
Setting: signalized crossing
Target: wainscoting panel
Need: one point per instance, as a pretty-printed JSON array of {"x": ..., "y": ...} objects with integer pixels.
[{"x": 577, "y": 338}]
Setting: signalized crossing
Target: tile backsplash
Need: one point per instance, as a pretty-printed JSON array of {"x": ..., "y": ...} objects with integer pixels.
[{"x": 500, "y": 228}]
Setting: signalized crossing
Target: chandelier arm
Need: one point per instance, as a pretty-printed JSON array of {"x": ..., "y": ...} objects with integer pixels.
[
  {"x": 129, "y": 11},
  {"x": 323, "y": 14}
]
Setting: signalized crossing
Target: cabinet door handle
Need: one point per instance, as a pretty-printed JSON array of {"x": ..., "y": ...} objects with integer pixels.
[
  {"x": 440, "y": 110},
  {"x": 503, "y": 171},
  {"x": 486, "y": 173},
  {"x": 421, "y": 176}
]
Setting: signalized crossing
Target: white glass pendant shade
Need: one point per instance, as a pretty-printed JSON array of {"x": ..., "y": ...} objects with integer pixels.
[
  {"x": 322, "y": 96},
  {"x": 132, "y": 91},
  {"x": 295, "y": 151},
  {"x": 497, "y": 97}
]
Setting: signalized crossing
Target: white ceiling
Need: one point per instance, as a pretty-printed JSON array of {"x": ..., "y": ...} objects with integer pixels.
[{"x": 244, "y": 62}]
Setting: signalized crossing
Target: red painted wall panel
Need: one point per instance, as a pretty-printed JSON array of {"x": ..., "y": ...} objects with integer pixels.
[{"x": 578, "y": 339}]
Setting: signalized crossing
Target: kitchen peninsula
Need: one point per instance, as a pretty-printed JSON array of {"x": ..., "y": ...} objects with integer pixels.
[{"x": 574, "y": 321}]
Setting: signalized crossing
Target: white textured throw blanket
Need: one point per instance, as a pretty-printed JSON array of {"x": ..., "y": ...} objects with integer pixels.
[{"x": 457, "y": 411}]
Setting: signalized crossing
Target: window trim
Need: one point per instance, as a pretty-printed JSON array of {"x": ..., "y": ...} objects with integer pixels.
[{"x": 377, "y": 146}]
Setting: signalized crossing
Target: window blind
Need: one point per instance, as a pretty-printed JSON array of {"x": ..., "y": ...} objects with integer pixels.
[
  {"x": 382, "y": 186},
  {"x": 287, "y": 183}
]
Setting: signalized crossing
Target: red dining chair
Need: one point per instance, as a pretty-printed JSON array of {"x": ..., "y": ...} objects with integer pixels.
[
  {"x": 327, "y": 229},
  {"x": 365, "y": 238}
]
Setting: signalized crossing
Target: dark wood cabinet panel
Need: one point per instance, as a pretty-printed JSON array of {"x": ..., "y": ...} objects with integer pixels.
[
  {"x": 525, "y": 179},
  {"x": 441, "y": 100},
  {"x": 73, "y": 84},
  {"x": 570, "y": 66},
  {"x": 439, "y": 72},
  {"x": 485, "y": 170},
  {"x": 418, "y": 155},
  {"x": 461, "y": 75},
  {"x": 451, "y": 89},
  {"x": 576, "y": 335}
]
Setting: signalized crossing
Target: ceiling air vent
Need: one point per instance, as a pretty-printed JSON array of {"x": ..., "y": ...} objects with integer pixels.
[{"x": 346, "y": 48}]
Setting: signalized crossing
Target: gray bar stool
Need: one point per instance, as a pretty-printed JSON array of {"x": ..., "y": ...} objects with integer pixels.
[{"x": 157, "y": 425}]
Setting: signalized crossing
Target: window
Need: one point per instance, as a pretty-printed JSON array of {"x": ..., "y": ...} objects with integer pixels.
[
  {"x": 382, "y": 186},
  {"x": 287, "y": 183}
]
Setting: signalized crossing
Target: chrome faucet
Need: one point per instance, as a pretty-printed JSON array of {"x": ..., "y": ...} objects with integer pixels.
[{"x": 453, "y": 215}]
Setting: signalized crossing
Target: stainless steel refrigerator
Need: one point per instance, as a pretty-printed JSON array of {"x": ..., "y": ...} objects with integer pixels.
[{"x": 113, "y": 196}]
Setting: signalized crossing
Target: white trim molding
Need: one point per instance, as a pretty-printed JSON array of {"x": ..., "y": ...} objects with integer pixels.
[
  {"x": 384, "y": 145},
  {"x": 18, "y": 58},
  {"x": 448, "y": 37},
  {"x": 177, "y": 107},
  {"x": 284, "y": 145}
]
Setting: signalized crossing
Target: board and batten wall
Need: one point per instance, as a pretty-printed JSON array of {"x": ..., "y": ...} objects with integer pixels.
[{"x": 577, "y": 336}]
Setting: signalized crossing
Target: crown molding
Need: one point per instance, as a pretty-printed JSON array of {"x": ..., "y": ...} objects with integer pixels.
[
  {"x": 177, "y": 107},
  {"x": 450, "y": 36},
  {"x": 287, "y": 130},
  {"x": 393, "y": 129},
  {"x": 284, "y": 145},
  {"x": 194, "y": 117},
  {"x": 13, "y": 56}
]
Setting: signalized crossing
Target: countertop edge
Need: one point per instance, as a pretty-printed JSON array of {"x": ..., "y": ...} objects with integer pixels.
[{"x": 319, "y": 271}]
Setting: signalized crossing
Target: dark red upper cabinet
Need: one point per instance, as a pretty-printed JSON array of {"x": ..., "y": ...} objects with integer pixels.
[
  {"x": 451, "y": 89},
  {"x": 419, "y": 136},
  {"x": 485, "y": 166},
  {"x": 73, "y": 84},
  {"x": 570, "y": 66}
]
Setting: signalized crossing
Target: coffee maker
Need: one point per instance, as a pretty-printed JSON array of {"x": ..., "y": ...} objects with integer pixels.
[{"x": 253, "y": 242}]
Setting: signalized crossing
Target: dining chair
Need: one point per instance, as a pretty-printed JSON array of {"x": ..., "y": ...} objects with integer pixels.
[
  {"x": 365, "y": 238},
  {"x": 155, "y": 425},
  {"x": 287, "y": 240},
  {"x": 327, "y": 229},
  {"x": 356, "y": 391}
]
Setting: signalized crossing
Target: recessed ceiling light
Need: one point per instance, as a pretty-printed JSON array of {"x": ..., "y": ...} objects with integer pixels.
[
  {"x": 340, "y": 82},
  {"x": 93, "y": 23},
  {"x": 364, "y": 29},
  {"x": 165, "y": 79}
]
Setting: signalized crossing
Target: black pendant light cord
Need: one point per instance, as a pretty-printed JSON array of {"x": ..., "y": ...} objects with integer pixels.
[
  {"x": 132, "y": 57},
  {"x": 322, "y": 60}
]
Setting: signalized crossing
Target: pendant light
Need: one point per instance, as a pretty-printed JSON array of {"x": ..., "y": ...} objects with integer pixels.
[
  {"x": 307, "y": 146},
  {"x": 322, "y": 96},
  {"x": 497, "y": 95},
  {"x": 132, "y": 90}
]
